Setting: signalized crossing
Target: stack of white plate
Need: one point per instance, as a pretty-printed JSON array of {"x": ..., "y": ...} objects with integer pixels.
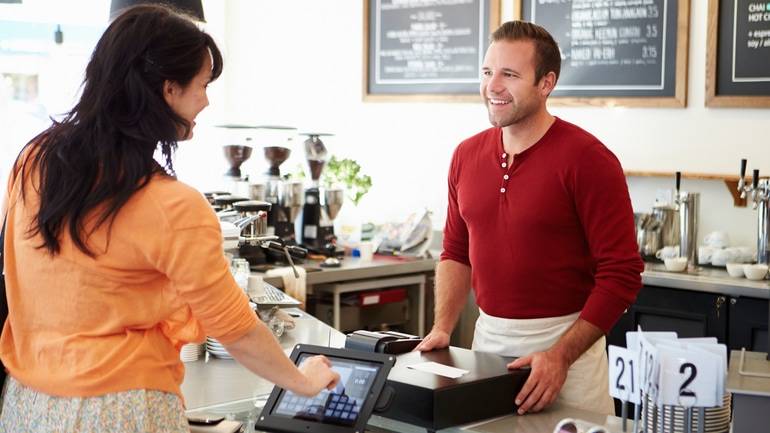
[
  {"x": 215, "y": 348},
  {"x": 191, "y": 352},
  {"x": 671, "y": 419}
]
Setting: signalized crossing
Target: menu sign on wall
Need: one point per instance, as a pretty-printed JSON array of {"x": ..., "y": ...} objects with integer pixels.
[
  {"x": 739, "y": 64},
  {"x": 616, "y": 48},
  {"x": 426, "y": 46}
]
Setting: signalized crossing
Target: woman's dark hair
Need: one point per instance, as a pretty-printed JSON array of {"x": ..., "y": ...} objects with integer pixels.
[{"x": 90, "y": 163}]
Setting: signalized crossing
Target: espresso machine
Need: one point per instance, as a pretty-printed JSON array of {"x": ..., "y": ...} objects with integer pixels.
[
  {"x": 760, "y": 200},
  {"x": 320, "y": 210},
  {"x": 254, "y": 244}
]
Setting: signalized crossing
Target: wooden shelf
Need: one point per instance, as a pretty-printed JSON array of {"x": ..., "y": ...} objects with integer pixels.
[
  {"x": 685, "y": 175},
  {"x": 730, "y": 181}
]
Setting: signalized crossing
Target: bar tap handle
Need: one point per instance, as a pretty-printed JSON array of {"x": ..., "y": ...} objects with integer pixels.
[
  {"x": 755, "y": 188},
  {"x": 678, "y": 184},
  {"x": 741, "y": 180}
]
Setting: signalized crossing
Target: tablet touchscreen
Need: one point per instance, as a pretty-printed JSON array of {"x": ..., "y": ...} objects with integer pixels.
[
  {"x": 344, "y": 409},
  {"x": 338, "y": 406}
]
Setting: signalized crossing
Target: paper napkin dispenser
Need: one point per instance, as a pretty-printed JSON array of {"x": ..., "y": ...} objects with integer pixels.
[
  {"x": 436, "y": 402},
  {"x": 385, "y": 341}
]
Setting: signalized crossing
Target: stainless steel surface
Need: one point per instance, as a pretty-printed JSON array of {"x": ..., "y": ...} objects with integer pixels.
[
  {"x": 291, "y": 197},
  {"x": 738, "y": 383},
  {"x": 678, "y": 419},
  {"x": 253, "y": 221},
  {"x": 689, "y": 208},
  {"x": 257, "y": 191},
  {"x": 762, "y": 203},
  {"x": 648, "y": 241},
  {"x": 542, "y": 422},
  {"x": 669, "y": 224},
  {"x": 759, "y": 192},
  {"x": 353, "y": 268},
  {"x": 220, "y": 381},
  {"x": 333, "y": 199}
]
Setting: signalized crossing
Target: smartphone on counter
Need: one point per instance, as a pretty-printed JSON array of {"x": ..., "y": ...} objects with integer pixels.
[{"x": 203, "y": 418}]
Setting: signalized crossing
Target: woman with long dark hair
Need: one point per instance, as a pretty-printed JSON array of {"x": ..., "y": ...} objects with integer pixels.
[{"x": 111, "y": 264}]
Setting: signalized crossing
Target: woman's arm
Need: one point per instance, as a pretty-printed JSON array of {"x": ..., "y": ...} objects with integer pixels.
[{"x": 259, "y": 351}]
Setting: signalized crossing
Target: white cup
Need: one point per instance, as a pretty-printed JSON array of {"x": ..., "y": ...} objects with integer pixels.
[
  {"x": 747, "y": 254},
  {"x": 675, "y": 264},
  {"x": 724, "y": 256},
  {"x": 755, "y": 272},
  {"x": 705, "y": 255},
  {"x": 256, "y": 286},
  {"x": 735, "y": 270},
  {"x": 717, "y": 239},
  {"x": 367, "y": 251},
  {"x": 668, "y": 252}
]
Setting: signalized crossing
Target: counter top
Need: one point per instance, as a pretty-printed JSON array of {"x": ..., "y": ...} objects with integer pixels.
[
  {"x": 218, "y": 382},
  {"x": 353, "y": 268},
  {"x": 709, "y": 280},
  {"x": 750, "y": 377}
]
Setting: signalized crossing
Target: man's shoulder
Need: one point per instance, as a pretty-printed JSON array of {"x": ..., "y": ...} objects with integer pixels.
[
  {"x": 487, "y": 137},
  {"x": 573, "y": 135}
]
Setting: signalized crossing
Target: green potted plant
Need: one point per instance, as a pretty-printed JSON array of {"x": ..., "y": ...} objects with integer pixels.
[{"x": 346, "y": 173}]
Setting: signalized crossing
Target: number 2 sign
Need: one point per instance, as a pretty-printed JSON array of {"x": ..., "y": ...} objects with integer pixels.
[{"x": 688, "y": 380}]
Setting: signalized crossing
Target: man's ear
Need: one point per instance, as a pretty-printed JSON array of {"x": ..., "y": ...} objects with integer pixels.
[{"x": 547, "y": 83}]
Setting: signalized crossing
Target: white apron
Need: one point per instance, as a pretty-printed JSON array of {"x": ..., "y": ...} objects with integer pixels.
[{"x": 587, "y": 381}]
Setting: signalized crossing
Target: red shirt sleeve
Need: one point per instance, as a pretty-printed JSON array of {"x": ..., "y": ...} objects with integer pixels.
[
  {"x": 604, "y": 208},
  {"x": 455, "y": 231}
]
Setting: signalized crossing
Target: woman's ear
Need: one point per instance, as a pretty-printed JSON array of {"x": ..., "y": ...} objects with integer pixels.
[{"x": 171, "y": 91}]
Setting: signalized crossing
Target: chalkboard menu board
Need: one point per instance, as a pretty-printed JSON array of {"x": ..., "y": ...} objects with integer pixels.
[
  {"x": 426, "y": 49},
  {"x": 738, "y": 56},
  {"x": 617, "y": 52}
]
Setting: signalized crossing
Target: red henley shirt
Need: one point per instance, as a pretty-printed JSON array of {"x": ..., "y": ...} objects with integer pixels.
[{"x": 550, "y": 235}]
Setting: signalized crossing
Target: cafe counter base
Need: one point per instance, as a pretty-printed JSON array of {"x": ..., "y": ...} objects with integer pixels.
[{"x": 224, "y": 387}]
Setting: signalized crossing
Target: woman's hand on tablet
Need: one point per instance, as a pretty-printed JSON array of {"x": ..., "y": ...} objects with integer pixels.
[{"x": 319, "y": 375}]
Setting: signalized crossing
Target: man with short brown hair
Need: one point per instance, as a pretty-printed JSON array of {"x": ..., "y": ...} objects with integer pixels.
[{"x": 539, "y": 223}]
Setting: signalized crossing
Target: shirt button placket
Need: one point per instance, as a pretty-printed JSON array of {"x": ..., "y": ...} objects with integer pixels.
[{"x": 504, "y": 165}]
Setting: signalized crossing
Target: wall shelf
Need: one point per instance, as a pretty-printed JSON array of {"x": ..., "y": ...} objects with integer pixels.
[{"x": 730, "y": 180}]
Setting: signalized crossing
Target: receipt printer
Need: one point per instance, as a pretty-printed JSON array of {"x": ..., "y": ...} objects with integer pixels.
[{"x": 384, "y": 341}]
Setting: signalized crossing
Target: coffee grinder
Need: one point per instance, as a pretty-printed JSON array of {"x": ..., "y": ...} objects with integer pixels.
[
  {"x": 237, "y": 151},
  {"x": 284, "y": 196},
  {"x": 320, "y": 210},
  {"x": 236, "y": 155},
  {"x": 316, "y": 227}
]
